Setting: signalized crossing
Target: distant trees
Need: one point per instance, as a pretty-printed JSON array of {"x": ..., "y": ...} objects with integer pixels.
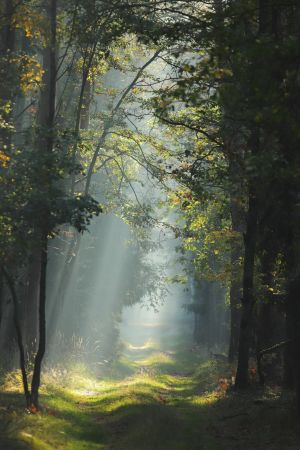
[
  {"x": 34, "y": 201},
  {"x": 56, "y": 53}
]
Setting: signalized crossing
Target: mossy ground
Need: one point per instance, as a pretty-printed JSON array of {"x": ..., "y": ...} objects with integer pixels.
[{"x": 151, "y": 399}]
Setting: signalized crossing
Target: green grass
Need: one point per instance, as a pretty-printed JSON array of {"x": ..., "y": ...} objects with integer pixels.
[{"x": 151, "y": 399}]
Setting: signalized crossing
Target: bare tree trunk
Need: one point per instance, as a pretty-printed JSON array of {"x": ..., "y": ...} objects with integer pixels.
[
  {"x": 234, "y": 319},
  {"x": 293, "y": 315},
  {"x": 250, "y": 239},
  {"x": 31, "y": 302},
  {"x": 237, "y": 224},
  {"x": 289, "y": 378},
  {"x": 86, "y": 104},
  {"x": 47, "y": 115},
  {"x": 1, "y": 299},
  {"x": 36, "y": 378},
  {"x": 293, "y": 299},
  {"x": 8, "y": 30},
  {"x": 17, "y": 325},
  {"x": 7, "y": 85},
  {"x": 248, "y": 299},
  {"x": 81, "y": 123},
  {"x": 235, "y": 282},
  {"x": 83, "y": 102}
]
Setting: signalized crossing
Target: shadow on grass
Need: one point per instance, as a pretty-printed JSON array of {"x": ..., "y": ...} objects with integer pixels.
[
  {"x": 173, "y": 406},
  {"x": 233, "y": 422},
  {"x": 62, "y": 423}
]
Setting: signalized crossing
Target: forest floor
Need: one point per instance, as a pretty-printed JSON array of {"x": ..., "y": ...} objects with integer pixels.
[{"x": 153, "y": 398}]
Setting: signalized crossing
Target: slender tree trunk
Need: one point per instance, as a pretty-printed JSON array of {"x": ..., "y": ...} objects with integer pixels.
[
  {"x": 84, "y": 101},
  {"x": 290, "y": 257},
  {"x": 235, "y": 293},
  {"x": 1, "y": 298},
  {"x": 206, "y": 314},
  {"x": 86, "y": 104},
  {"x": 197, "y": 298},
  {"x": 81, "y": 123},
  {"x": 18, "y": 329},
  {"x": 235, "y": 283},
  {"x": 295, "y": 289},
  {"x": 289, "y": 376},
  {"x": 31, "y": 294},
  {"x": 250, "y": 238},
  {"x": 293, "y": 314},
  {"x": 248, "y": 299},
  {"x": 36, "y": 378},
  {"x": 293, "y": 300},
  {"x": 7, "y": 84},
  {"x": 47, "y": 115},
  {"x": 197, "y": 328},
  {"x": 8, "y": 31},
  {"x": 237, "y": 225},
  {"x": 266, "y": 330}
]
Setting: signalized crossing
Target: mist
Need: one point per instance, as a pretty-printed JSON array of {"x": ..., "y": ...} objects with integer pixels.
[{"x": 149, "y": 225}]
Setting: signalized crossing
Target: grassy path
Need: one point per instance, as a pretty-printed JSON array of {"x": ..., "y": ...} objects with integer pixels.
[{"x": 150, "y": 400}]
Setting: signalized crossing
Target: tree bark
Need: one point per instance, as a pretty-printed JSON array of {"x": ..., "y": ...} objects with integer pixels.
[
  {"x": 7, "y": 84},
  {"x": 36, "y": 378},
  {"x": 47, "y": 117},
  {"x": 1, "y": 299},
  {"x": 18, "y": 329},
  {"x": 31, "y": 302},
  {"x": 234, "y": 319},
  {"x": 293, "y": 317},
  {"x": 289, "y": 376},
  {"x": 235, "y": 282},
  {"x": 248, "y": 299}
]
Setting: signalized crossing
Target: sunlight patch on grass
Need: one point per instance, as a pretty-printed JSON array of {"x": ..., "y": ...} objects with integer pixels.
[
  {"x": 150, "y": 344},
  {"x": 170, "y": 400},
  {"x": 76, "y": 376},
  {"x": 205, "y": 399},
  {"x": 177, "y": 384},
  {"x": 12, "y": 382},
  {"x": 158, "y": 358},
  {"x": 61, "y": 425},
  {"x": 34, "y": 442}
]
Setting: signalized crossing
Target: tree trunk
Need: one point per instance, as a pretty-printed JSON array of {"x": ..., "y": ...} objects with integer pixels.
[
  {"x": 293, "y": 316},
  {"x": 36, "y": 378},
  {"x": 293, "y": 300},
  {"x": 47, "y": 115},
  {"x": 18, "y": 330},
  {"x": 235, "y": 293},
  {"x": 1, "y": 299},
  {"x": 235, "y": 287},
  {"x": 248, "y": 299},
  {"x": 267, "y": 331},
  {"x": 197, "y": 328},
  {"x": 237, "y": 225},
  {"x": 7, "y": 84},
  {"x": 86, "y": 104},
  {"x": 289, "y": 379},
  {"x": 83, "y": 104},
  {"x": 31, "y": 319}
]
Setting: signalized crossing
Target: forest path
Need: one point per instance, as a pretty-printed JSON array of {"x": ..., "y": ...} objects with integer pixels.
[
  {"x": 179, "y": 400},
  {"x": 153, "y": 398}
]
